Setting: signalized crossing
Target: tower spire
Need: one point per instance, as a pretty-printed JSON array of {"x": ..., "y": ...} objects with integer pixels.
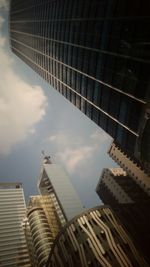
[{"x": 46, "y": 159}]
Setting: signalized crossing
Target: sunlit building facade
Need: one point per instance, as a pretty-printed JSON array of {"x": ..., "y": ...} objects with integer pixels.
[
  {"x": 48, "y": 212},
  {"x": 41, "y": 226},
  {"x": 96, "y": 54},
  {"x": 54, "y": 181},
  {"x": 95, "y": 238},
  {"x": 13, "y": 247},
  {"x": 30, "y": 243}
]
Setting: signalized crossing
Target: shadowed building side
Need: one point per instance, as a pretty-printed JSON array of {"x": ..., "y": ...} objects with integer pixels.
[
  {"x": 131, "y": 166},
  {"x": 95, "y": 238},
  {"x": 130, "y": 202}
]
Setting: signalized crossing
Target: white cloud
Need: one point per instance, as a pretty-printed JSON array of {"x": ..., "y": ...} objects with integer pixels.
[
  {"x": 74, "y": 158},
  {"x": 22, "y": 106},
  {"x": 51, "y": 138},
  {"x": 63, "y": 139},
  {"x": 73, "y": 152},
  {"x": 99, "y": 136}
]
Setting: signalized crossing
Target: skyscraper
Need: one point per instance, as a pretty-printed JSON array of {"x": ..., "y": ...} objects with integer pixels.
[
  {"x": 53, "y": 181},
  {"x": 41, "y": 227},
  {"x": 13, "y": 247},
  {"x": 130, "y": 202},
  {"x": 95, "y": 238},
  {"x": 115, "y": 187},
  {"x": 130, "y": 166},
  {"x": 96, "y": 54},
  {"x": 48, "y": 212}
]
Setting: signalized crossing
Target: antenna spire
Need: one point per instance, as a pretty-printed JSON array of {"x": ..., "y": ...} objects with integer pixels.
[{"x": 46, "y": 159}]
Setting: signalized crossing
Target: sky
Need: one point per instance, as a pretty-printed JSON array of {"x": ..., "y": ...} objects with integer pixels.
[{"x": 35, "y": 117}]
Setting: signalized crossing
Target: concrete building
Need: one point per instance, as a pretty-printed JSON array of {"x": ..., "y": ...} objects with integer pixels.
[
  {"x": 95, "y": 238},
  {"x": 116, "y": 184},
  {"x": 131, "y": 166},
  {"x": 96, "y": 54},
  {"x": 13, "y": 247}
]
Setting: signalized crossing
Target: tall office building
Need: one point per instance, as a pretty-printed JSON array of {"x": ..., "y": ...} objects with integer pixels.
[
  {"x": 41, "y": 226},
  {"x": 13, "y": 247},
  {"x": 54, "y": 181},
  {"x": 96, "y": 54},
  {"x": 49, "y": 211},
  {"x": 115, "y": 186},
  {"x": 130, "y": 166},
  {"x": 130, "y": 202},
  {"x": 95, "y": 238}
]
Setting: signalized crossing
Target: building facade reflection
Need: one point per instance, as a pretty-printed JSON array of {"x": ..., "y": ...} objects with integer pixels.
[{"x": 96, "y": 54}]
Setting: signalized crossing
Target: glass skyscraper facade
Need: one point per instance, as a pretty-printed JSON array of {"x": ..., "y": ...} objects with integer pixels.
[
  {"x": 13, "y": 247},
  {"x": 96, "y": 54}
]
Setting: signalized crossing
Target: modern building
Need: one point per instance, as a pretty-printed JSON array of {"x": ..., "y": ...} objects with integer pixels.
[
  {"x": 30, "y": 244},
  {"x": 130, "y": 166},
  {"x": 115, "y": 187},
  {"x": 130, "y": 202},
  {"x": 13, "y": 247},
  {"x": 95, "y": 238},
  {"x": 41, "y": 227},
  {"x": 54, "y": 181},
  {"x": 96, "y": 54},
  {"x": 48, "y": 212}
]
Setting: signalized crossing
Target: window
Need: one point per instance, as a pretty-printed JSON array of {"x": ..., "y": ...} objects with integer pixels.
[
  {"x": 121, "y": 135},
  {"x": 88, "y": 109},
  {"x": 95, "y": 115},
  {"x": 111, "y": 127},
  {"x": 114, "y": 103},
  {"x": 97, "y": 94},
  {"x": 73, "y": 97},
  {"x": 90, "y": 89},
  {"x": 78, "y": 101},
  {"x": 103, "y": 121},
  {"x": 83, "y": 105},
  {"x": 105, "y": 97}
]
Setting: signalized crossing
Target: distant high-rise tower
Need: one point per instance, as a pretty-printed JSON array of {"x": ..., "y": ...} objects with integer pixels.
[
  {"x": 95, "y": 238},
  {"x": 54, "y": 181},
  {"x": 96, "y": 54},
  {"x": 13, "y": 247},
  {"x": 131, "y": 203}
]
